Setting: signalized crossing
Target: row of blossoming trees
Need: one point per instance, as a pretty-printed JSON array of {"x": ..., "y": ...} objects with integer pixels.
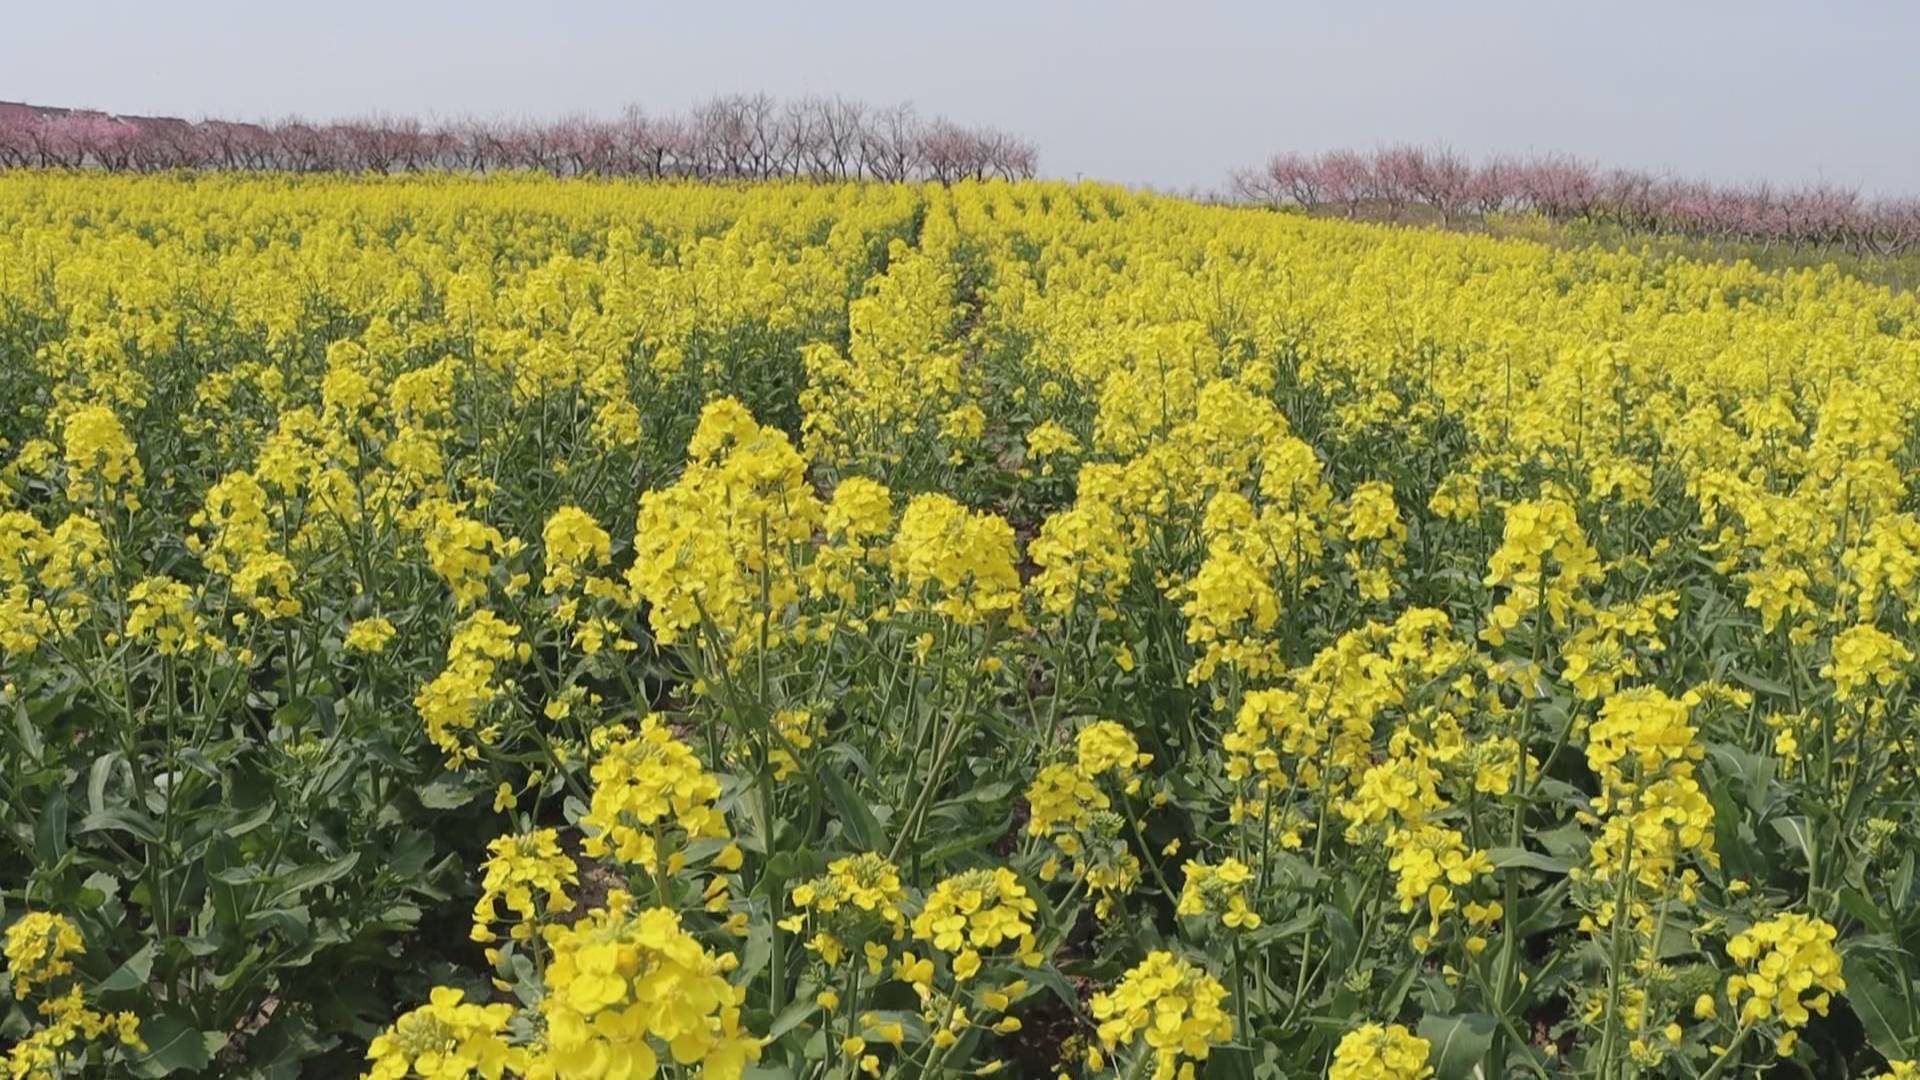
[
  {"x": 1394, "y": 179},
  {"x": 740, "y": 136}
]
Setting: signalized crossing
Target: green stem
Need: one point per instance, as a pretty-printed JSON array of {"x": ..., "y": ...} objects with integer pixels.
[{"x": 1726, "y": 1056}]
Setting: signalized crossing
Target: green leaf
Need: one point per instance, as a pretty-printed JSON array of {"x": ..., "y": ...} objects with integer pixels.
[
  {"x": 968, "y": 841},
  {"x": 1059, "y": 986},
  {"x": 251, "y": 819},
  {"x": 1502, "y": 857},
  {"x": 856, "y": 818},
  {"x": 97, "y": 778},
  {"x": 447, "y": 793},
  {"x": 1860, "y": 906},
  {"x": 1459, "y": 1043},
  {"x": 1761, "y": 685},
  {"x": 173, "y": 1045},
  {"x": 222, "y": 865},
  {"x": 791, "y": 1018},
  {"x": 227, "y": 980},
  {"x": 1561, "y": 793},
  {"x": 131, "y": 975},
  {"x": 294, "y": 922},
  {"x": 313, "y": 876},
  {"x": 1230, "y": 1063},
  {"x": 757, "y": 952},
  {"x": 95, "y": 892},
  {"x": 50, "y": 832},
  {"x": 1740, "y": 854},
  {"x": 121, "y": 819},
  {"x": 1343, "y": 938},
  {"x": 1754, "y": 772},
  {"x": 1882, "y": 1011},
  {"x": 1397, "y": 993},
  {"x": 791, "y": 865},
  {"x": 29, "y": 734},
  {"x": 243, "y": 874},
  {"x": 1292, "y": 872},
  {"x": 1795, "y": 832},
  {"x": 984, "y": 793},
  {"x": 277, "y": 1050}
]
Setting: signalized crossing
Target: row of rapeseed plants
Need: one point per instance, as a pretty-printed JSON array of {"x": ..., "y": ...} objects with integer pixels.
[{"x": 539, "y": 628}]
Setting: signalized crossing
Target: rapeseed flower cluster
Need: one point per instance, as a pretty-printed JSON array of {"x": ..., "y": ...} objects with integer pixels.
[
  {"x": 1173, "y": 1007},
  {"x": 978, "y": 912},
  {"x": 1789, "y": 971},
  {"x": 651, "y": 795},
  {"x": 448, "y": 1037},
  {"x": 855, "y": 904},
  {"x": 41, "y": 949},
  {"x": 627, "y": 987},
  {"x": 530, "y": 874},
  {"x": 1071, "y": 807},
  {"x": 1376, "y": 1052}
]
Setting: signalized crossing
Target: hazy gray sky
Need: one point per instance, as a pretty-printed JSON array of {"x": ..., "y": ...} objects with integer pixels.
[{"x": 1172, "y": 94}]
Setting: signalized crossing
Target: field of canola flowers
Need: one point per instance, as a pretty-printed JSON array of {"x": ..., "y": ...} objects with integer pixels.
[{"x": 585, "y": 629}]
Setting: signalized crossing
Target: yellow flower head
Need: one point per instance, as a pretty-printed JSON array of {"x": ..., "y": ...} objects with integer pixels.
[
  {"x": 1789, "y": 969},
  {"x": 40, "y": 947},
  {"x": 1373, "y": 1052},
  {"x": 1172, "y": 1005}
]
